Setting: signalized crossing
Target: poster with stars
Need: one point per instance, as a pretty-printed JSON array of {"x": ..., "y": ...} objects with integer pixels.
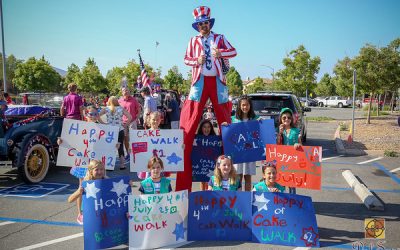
[
  {"x": 245, "y": 141},
  {"x": 300, "y": 168},
  {"x": 157, "y": 220},
  {"x": 165, "y": 143},
  {"x": 284, "y": 219},
  {"x": 219, "y": 215},
  {"x": 105, "y": 204},
  {"x": 206, "y": 150},
  {"x": 83, "y": 141}
]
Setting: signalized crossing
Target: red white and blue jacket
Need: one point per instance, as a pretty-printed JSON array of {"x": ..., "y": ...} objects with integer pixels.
[{"x": 195, "y": 49}]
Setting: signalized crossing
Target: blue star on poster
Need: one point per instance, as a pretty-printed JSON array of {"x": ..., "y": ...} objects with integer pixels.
[
  {"x": 173, "y": 158},
  {"x": 179, "y": 231}
]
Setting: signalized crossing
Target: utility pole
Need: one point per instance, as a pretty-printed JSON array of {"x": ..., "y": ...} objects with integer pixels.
[
  {"x": 3, "y": 47},
  {"x": 354, "y": 103}
]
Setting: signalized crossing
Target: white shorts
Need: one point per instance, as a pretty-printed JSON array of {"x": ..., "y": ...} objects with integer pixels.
[{"x": 247, "y": 168}]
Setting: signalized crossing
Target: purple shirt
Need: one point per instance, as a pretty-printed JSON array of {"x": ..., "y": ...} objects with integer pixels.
[{"x": 72, "y": 104}]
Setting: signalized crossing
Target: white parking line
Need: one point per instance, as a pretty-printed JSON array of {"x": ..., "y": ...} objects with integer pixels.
[
  {"x": 394, "y": 170},
  {"x": 301, "y": 248},
  {"x": 333, "y": 157},
  {"x": 6, "y": 223},
  {"x": 46, "y": 243},
  {"x": 375, "y": 159}
]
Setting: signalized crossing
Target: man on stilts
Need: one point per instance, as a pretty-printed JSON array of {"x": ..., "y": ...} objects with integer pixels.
[{"x": 207, "y": 54}]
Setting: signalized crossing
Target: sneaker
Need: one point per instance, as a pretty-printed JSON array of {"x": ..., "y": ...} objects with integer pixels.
[
  {"x": 79, "y": 219},
  {"x": 127, "y": 158}
]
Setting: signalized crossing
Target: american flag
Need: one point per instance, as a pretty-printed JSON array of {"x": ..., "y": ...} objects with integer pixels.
[{"x": 143, "y": 73}]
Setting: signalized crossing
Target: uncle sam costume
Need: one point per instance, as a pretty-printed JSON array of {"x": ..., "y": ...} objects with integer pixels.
[{"x": 208, "y": 81}]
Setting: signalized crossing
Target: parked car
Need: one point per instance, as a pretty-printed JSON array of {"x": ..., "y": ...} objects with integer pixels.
[
  {"x": 334, "y": 101},
  {"x": 161, "y": 103},
  {"x": 28, "y": 140},
  {"x": 269, "y": 104},
  {"x": 309, "y": 102}
]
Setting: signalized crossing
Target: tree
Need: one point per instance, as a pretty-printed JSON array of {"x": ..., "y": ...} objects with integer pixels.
[
  {"x": 174, "y": 80},
  {"x": 11, "y": 65},
  {"x": 234, "y": 82},
  {"x": 391, "y": 75},
  {"x": 114, "y": 79},
  {"x": 300, "y": 72},
  {"x": 258, "y": 85},
  {"x": 343, "y": 79},
  {"x": 325, "y": 87},
  {"x": 73, "y": 74},
  {"x": 369, "y": 72},
  {"x": 90, "y": 80},
  {"x": 37, "y": 75}
]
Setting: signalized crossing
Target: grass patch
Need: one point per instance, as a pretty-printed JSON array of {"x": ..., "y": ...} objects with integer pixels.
[
  {"x": 343, "y": 126},
  {"x": 320, "y": 119},
  {"x": 381, "y": 113},
  {"x": 389, "y": 153}
]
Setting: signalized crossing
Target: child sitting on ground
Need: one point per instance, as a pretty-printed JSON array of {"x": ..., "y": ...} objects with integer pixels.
[
  {"x": 224, "y": 178},
  {"x": 268, "y": 183}
]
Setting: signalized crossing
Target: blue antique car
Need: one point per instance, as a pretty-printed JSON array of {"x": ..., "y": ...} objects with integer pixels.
[{"x": 28, "y": 140}]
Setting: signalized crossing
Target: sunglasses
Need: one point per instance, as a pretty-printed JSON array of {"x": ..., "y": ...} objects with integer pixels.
[
  {"x": 286, "y": 118},
  {"x": 223, "y": 157},
  {"x": 201, "y": 23}
]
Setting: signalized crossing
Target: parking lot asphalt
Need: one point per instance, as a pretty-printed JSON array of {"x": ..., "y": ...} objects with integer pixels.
[{"x": 48, "y": 221}]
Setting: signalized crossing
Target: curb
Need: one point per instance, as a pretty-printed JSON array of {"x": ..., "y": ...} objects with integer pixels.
[
  {"x": 338, "y": 142},
  {"x": 369, "y": 200},
  {"x": 340, "y": 146}
]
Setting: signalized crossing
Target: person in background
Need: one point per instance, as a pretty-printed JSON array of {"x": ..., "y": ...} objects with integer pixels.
[
  {"x": 114, "y": 113},
  {"x": 130, "y": 104},
  {"x": 25, "y": 100},
  {"x": 72, "y": 105},
  {"x": 149, "y": 105},
  {"x": 8, "y": 99},
  {"x": 173, "y": 111},
  {"x": 225, "y": 178}
]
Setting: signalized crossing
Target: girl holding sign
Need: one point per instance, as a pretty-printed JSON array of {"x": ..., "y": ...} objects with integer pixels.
[
  {"x": 205, "y": 129},
  {"x": 224, "y": 178},
  {"x": 96, "y": 171},
  {"x": 114, "y": 113},
  {"x": 268, "y": 183},
  {"x": 244, "y": 113},
  {"x": 288, "y": 133},
  {"x": 155, "y": 184}
]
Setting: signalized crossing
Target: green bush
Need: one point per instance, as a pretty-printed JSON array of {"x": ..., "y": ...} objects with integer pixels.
[
  {"x": 320, "y": 119},
  {"x": 389, "y": 153},
  {"x": 343, "y": 126}
]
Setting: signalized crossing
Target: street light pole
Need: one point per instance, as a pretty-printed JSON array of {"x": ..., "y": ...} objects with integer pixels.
[
  {"x": 3, "y": 48},
  {"x": 273, "y": 71}
]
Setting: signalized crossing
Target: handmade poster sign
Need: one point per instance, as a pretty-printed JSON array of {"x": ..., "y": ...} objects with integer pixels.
[
  {"x": 206, "y": 150},
  {"x": 284, "y": 219},
  {"x": 245, "y": 141},
  {"x": 105, "y": 204},
  {"x": 157, "y": 220},
  {"x": 83, "y": 141},
  {"x": 165, "y": 143},
  {"x": 223, "y": 216},
  {"x": 297, "y": 167}
]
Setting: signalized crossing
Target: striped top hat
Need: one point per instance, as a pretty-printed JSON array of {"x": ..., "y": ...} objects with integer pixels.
[{"x": 201, "y": 14}]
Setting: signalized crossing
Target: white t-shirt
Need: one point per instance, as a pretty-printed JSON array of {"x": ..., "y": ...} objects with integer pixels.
[{"x": 209, "y": 68}]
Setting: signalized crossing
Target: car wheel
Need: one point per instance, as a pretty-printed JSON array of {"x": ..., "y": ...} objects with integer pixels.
[
  {"x": 321, "y": 104},
  {"x": 33, "y": 158},
  {"x": 340, "y": 105}
]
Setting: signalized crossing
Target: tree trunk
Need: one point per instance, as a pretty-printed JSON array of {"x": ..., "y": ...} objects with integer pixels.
[
  {"x": 384, "y": 102},
  {"x": 392, "y": 102},
  {"x": 377, "y": 105},
  {"x": 369, "y": 109}
]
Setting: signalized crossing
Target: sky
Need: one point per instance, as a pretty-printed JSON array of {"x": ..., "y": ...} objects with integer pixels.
[{"x": 262, "y": 31}]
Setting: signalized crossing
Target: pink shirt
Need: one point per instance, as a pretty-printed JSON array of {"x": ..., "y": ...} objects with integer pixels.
[
  {"x": 131, "y": 105},
  {"x": 72, "y": 103}
]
